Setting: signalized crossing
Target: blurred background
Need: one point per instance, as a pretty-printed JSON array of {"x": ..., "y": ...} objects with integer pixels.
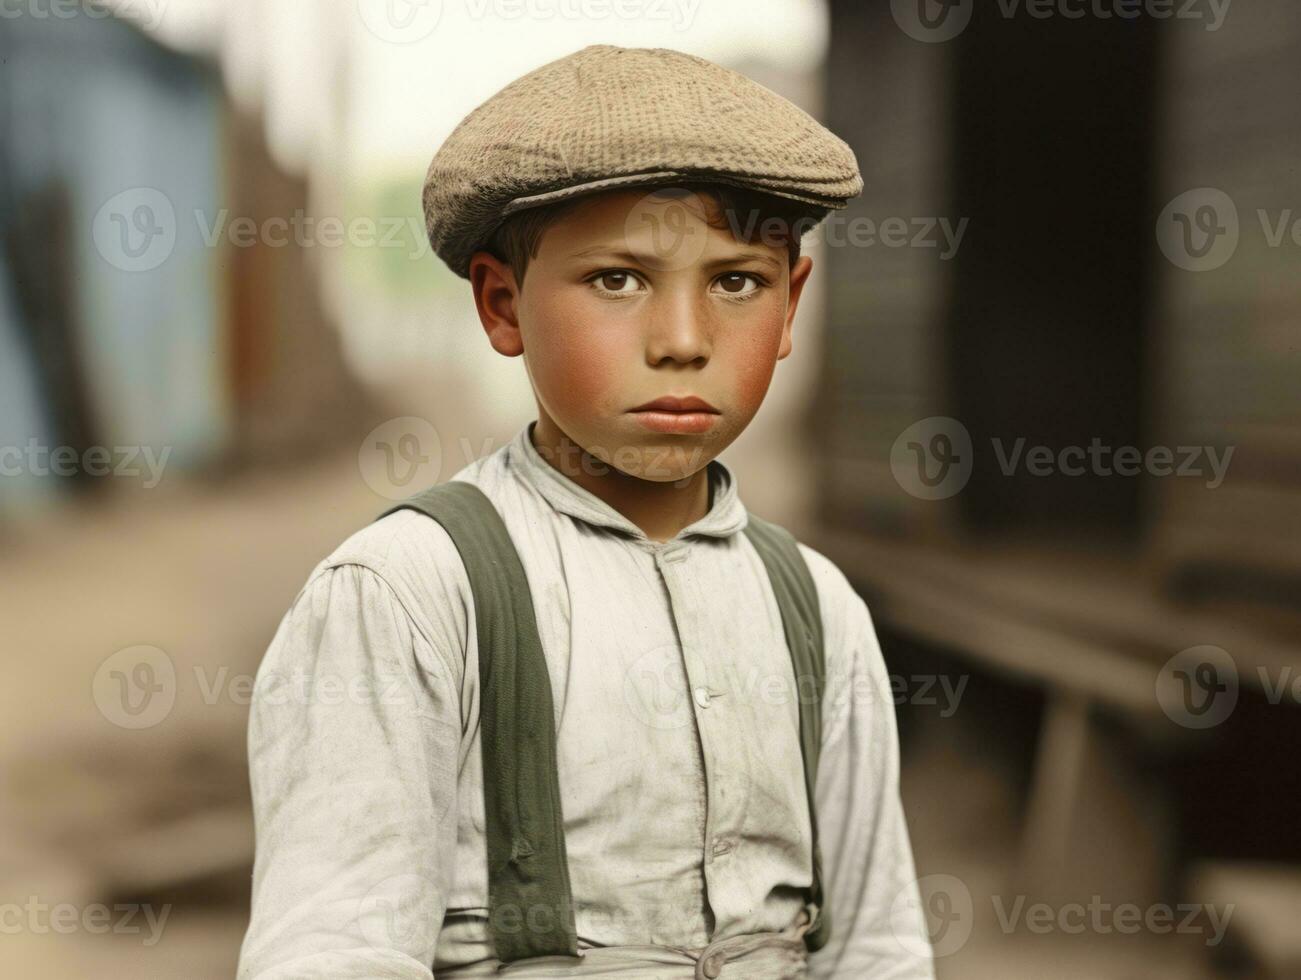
[{"x": 1043, "y": 410}]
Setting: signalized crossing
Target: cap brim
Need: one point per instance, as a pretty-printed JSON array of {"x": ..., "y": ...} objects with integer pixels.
[{"x": 662, "y": 177}]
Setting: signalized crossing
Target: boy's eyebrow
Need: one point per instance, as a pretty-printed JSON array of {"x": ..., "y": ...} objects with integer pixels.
[{"x": 623, "y": 255}]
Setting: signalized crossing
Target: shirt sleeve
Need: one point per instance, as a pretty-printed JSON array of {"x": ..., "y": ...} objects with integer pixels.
[
  {"x": 877, "y": 926},
  {"x": 353, "y": 746}
]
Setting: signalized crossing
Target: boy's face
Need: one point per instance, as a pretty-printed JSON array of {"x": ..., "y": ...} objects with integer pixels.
[{"x": 633, "y": 297}]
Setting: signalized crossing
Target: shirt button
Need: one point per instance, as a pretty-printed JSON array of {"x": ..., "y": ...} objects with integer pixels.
[
  {"x": 702, "y": 696},
  {"x": 713, "y": 965},
  {"x": 722, "y": 847}
]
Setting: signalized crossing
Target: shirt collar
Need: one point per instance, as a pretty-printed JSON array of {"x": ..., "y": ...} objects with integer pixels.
[{"x": 725, "y": 517}]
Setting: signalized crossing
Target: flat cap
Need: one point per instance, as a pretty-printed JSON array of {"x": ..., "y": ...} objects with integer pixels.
[{"x": 606, "y": 117}]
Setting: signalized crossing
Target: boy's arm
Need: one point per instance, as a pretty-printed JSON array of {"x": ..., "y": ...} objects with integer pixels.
[
  {"x": 867, "y": 861},
  {"x": 354, "y": 737}
]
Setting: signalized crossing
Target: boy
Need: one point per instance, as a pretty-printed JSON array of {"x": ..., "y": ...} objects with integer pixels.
[{"x": 599, "y": 720}]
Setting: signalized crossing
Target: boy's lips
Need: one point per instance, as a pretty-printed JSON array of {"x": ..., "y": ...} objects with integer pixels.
[
  {"x": 671, "y": 403},
  {"x": 689, "y": 414}
]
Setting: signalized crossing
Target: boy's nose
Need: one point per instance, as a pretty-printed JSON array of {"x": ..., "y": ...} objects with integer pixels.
[{"x": 679, "y": 330}]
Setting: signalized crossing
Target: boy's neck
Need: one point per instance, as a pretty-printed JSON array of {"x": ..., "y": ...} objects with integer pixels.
[{"x": 661, "y": 510}]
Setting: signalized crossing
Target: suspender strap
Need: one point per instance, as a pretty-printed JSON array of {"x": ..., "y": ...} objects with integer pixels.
[
  {"x": 797, "y": 598},
  {"x": 529, "y": 896}
]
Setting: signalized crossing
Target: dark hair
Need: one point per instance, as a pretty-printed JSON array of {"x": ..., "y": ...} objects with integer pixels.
[{"x": 747, "y": 214}]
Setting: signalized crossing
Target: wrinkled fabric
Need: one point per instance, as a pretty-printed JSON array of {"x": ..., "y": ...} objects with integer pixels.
[
  {"x": 686, "y": 819},
  {"x": 758, "y": 956}
]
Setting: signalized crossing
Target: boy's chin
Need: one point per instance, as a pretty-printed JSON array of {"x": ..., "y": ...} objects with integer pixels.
[{"x": 660, "y": 459}]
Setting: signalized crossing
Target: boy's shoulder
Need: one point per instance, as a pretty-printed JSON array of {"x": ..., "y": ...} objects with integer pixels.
[
  {"x": 847, "y": 627},
  {"x": 836, "y": 594},
  {"x": 405, "y": 542},
  {"x": 416, "y": 558}
]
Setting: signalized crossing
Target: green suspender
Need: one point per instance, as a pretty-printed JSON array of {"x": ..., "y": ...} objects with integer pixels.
[
  {"x": 797, "y": 598},
  {"x": 529, "y": 895},
  {"x": 530, "y": 905}
]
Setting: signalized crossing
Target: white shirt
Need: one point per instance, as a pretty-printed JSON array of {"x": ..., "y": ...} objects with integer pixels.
[{"x": 684, "y": 805}]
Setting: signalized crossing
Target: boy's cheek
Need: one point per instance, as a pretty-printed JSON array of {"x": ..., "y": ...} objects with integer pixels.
[
  {"x": 752, "y": 365},
  {"x": 582, "y": 378}
]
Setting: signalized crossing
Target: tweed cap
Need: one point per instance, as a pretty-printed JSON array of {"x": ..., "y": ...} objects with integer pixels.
[{"x": 606, "y": 117}]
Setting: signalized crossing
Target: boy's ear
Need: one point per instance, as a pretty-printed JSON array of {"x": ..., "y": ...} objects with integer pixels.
[
  {"x": 496, "y": 297},
  {"x": 799, "y": 276}
]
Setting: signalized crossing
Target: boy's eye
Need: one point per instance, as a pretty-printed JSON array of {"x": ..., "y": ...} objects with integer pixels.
[
  {"x": 622, "y": 282},
  {"x": 616, "y": 281},
  {"x": 735, "y": 283}
]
